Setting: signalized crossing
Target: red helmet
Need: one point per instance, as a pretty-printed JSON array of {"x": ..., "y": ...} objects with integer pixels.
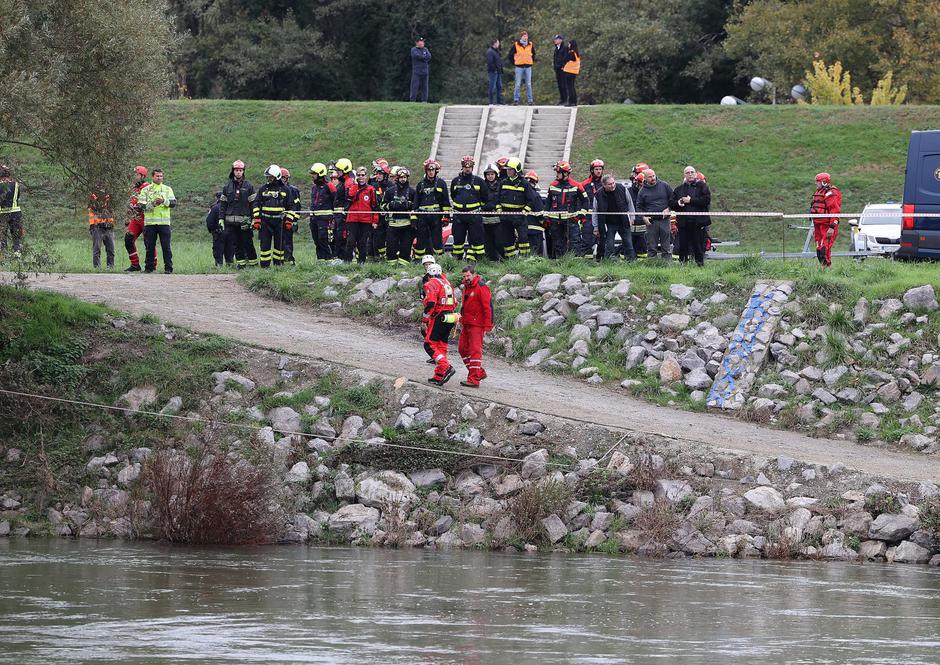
[
  {"x": 700, "y": 176},
  {"x": 501, "y": 162},
  {"x": 640, "y": 167},
  {"x": 532, "y": 176},
  {"x": 824, "y": 178},
  {"x": 467, "y": 160},
  {"x": 430, "y": 164},
  {"x": 284, "y": 172},
  {"x": 141, "y": 170},
  {"x": 639, "y": 177},
  {"x": 597, "y": 162},
  {"x": 380, "y": 164},
  {"x": 563, "y": 167},
  {"x": 238, "y": 164}
]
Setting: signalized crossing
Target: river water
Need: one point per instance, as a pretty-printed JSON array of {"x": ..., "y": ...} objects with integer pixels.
[{"x": 85, "y": 602}]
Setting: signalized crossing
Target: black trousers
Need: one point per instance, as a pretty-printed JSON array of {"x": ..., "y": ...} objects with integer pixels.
[
  {"x": 339, "y": 237},
  {"x": 562, "y": 87},
  {"x": 271, "y": 240},
  {"x": 289, "y": 245},
  {"x": 691, "y": 240},
  {"x": 559, "y": 242},
  {"x": 223, "y": 247},
  {"x": 379, "y": 240},
  {"x": 419, "y": 87},
  {"x": 571, "y": 92},
  {"x": 493, "y": 244},
  {"x": 398, "y": 242},
  {"x": 467, "y": 232},
  {"x": 429, "y": 235},
  {"x": 151, "y": 233},
  {"x": 320, "y": 232},
  {"x": 516, "y": 230},
  {"x": 358, "y": 236},
  {"x": 243, "y": 242}
]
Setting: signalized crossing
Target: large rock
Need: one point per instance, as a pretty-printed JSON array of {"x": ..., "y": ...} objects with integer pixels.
[
  {"x": 354, "y": 520},
  {"x": 550, "y": 282},
  {"x": 931, "y": 375},
  {"x": 908, "y": 552},
  {"x": 538, "y": 357},
  {"x": 620, "y": 290},
  {"x": 284, "y": 419},
  {"x": 523, "y": 320},
  {"x": 534, "y": 466},
  {"x": 344, "y": 486},
  {"x": 681, "y": 291},
  {"x": 428, "y": 477},
  {"x": 767, "y": 499},
  {"x": 554, "y": 528},
  {"x": 299, "y": 473},
  {"x": 635, "y": 356},
  {"x": 669, "y": 370},
  {"x": 381, "y": 287},
  {"x": 386, "y": 488},
  {"x": 921, "y": 297},
  {"x": 672, "y": 490},
  {"x": 129, "y": 474},
  {"x": 698, "y": 379},
  {"x": 837, "y": 551},
  {"x": 609, "y": 318},
  {"x": 137, "y": 398},
  {"x": 675, "y": 322},
  {"x": 892, "y": 527},
  {"x": 579, "y": 331},
  {"x": 222, "y": 380}
]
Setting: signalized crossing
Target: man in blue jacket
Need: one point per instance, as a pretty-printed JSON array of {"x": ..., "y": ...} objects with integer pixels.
[
  {"x": 420, "y": 57},
  {"x": 494, "y": 69}
]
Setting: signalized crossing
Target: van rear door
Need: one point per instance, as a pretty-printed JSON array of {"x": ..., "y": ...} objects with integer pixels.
[{"x": 920, "y": 236}]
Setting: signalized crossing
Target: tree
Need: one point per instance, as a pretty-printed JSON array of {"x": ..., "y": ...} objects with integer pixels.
[
  {"x": 81, "y": 81},
  {"x": 831, "y": 85}
]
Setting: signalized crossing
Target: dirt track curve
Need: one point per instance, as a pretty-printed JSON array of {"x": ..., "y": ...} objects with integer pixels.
[{"x": 218, "y": 304}]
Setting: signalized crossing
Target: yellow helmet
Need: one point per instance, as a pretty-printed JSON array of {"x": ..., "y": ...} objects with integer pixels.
[
  {"x": 318, "y": 169},
  {"x": 514, "y": 163},
  {"x": 343, "y": 165}
]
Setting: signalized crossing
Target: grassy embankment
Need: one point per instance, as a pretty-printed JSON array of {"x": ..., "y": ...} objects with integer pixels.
[
  {"x": 756, "y": 158},
  {"x": 61, "y": 347}
]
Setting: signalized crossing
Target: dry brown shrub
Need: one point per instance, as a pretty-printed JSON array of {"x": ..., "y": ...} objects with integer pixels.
[
  {"x": 208, "y": 497},
  {"x": 659, "y": 521},
  {"x": 533, "y": 504}
]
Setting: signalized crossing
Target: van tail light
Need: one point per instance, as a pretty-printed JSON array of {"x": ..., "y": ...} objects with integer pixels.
[{"x": 907, "y": 220}]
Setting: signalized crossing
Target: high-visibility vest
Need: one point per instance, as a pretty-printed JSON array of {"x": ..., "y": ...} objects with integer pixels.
[
  {"x": 156, "y": 215},
  {"x": 102, "y": 216},
  {"x": 523, "y": 55},
  {"x": 15, "y": 201},
  {"x": 573, "y": 66}
]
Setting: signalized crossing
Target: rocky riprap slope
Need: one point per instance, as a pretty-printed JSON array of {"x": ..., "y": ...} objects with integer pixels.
[
  {"x": 866, "y": 371},
  {"x": 470, "y": 473}
]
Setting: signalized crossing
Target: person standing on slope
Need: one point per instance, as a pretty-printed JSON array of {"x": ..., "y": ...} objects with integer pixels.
[{"x": 476, "y": 319}]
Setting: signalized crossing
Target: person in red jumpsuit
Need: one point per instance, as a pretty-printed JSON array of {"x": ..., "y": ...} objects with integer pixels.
[
  {"x": 476, "y": 319},
  {"x": 439, "y": 319},
  {"x": 135, "y": 221},
  {"x": 827, "y": 200}
]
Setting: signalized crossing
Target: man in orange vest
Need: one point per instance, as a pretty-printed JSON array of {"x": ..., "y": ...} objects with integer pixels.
[
  {"x": 101, "y": 227},
  {"x": 522, "y": 55},
  {"x": 559, "y": 59}
]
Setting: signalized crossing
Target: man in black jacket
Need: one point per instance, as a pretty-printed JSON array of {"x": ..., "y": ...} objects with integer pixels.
[
  {"x": 559, "y": 58},
  {"x": 692, "y": 195},
  {"x": 653, "y": 200},
  {"x": 223, "y": 244},
  {"x": 420, "y": 57},
  {"x": 494, "y": 70},
  {"x": 613, "y": 198}
]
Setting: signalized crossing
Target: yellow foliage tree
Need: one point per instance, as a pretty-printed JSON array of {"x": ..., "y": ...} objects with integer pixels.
[
  {"x": 831, "y": 85},
  {"x": 886, "y": 94}
]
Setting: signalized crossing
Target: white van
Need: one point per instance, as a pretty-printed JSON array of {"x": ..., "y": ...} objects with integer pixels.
[{"x": 878, "y": 230}]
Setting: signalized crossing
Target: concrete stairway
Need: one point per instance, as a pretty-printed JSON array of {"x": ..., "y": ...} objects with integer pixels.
[
  {"x": 548, "y": 140},
  {"x": 539, "y": 135}
]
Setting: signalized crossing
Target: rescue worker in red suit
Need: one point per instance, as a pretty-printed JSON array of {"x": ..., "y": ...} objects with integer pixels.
[
  {"x": 827, "y": 200},
  {"x": 135, "y": 221},
  {"x": 476, "y": 319},
  {"x": 439, "y": 319},
  {"x": 361, "y": 217}
]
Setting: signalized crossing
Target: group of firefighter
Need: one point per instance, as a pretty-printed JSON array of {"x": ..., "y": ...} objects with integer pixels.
[{"x": 357, "y": 215}]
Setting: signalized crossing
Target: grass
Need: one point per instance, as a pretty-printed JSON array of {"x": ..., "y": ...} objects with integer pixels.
[
  {"x": 755, "y": 157},
  {"x": 759, "y": 157},
  {"x": 61, "y": 347}
]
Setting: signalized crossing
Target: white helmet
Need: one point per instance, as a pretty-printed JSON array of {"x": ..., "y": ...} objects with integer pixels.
[
  {"x": 426, "y": 259},
  {"x": 274, "y": 171},
  {"x": 434, "y": 269}
]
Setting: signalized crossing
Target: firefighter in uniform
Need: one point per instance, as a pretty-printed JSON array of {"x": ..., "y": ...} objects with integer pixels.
[
  {"x": 344, "y": 181},
  {"x": 235, "y": 214},
  {"x": 517, "y": 198},
  {"x": 567, "y": 208},
  {"x": 431, "y": 197},
  {"x": 135, "y": 219},
  {"x": 827, "y": 200},
  {"x": 468, "y": 193},
  {"x": 322, "y": 205},
  {"x": 476, "y": 319},
  {"x": 289, "y": 225},
  {"x": 492, "y": 238},
  {"x": 399, "y": 201},
  {"x": 536, "y": 221},
  {"x": 592, "y": 185},
  {"x": 272, "y": 214},
  {"x": 380, "y": 182},
  {"x": 438, "y": 321}
]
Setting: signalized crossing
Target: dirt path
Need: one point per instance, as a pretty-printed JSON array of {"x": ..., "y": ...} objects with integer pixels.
[{"x": 218, "y": 304}]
